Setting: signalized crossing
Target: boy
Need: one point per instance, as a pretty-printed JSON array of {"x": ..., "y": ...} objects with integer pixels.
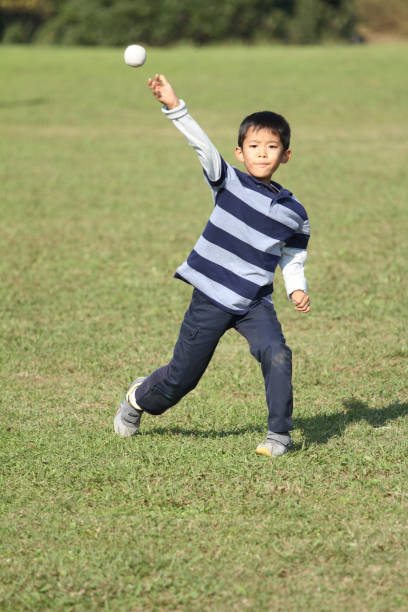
[{"x": 255, "y": 224}]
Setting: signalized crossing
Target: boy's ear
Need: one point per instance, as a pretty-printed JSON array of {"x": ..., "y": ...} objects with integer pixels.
[
  {"x": 238, "y": 154},
  {"x": 286, "y": 155}
]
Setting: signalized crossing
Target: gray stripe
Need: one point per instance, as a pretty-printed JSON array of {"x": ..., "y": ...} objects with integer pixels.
[
  {"x": 227, "y": 222},
  {"x": 305, "y": 229},
  {"x": 285, "y": 215},
  {"x": 217, "y": 292},
  {"x": 232, "y": 262},
  {"x": 262, "y": 204},
  {"x": 255, "y": 200}
]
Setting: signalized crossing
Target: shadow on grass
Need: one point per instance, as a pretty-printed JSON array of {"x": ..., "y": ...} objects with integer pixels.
[
  {"x": 322, "y": 427},
  {"x": 319, "y": 428},
  {"x": 22, "y": 103},
  {"x": 204, "y": 433}
]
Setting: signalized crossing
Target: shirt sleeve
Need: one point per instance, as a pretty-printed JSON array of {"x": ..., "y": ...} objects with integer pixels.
[
  {"x": 292, "y": 263},
  {"x": 213, "y": 165},
  {"x": 300, "y": 238}
]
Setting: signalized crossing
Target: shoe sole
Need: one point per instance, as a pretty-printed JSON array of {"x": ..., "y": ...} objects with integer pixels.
[{"x": 264, "y": 450}]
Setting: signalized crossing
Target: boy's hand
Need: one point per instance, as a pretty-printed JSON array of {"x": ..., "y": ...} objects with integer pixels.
[
  {"x": 163, "y": 91},
  {"x": 301, "y": 300}
]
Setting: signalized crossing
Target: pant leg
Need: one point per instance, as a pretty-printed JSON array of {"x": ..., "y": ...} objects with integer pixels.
[
  {"x": 203, "y": 325},
  {"x": 262, "y": 330}
]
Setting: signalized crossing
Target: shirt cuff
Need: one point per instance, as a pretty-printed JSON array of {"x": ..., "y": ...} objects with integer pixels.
[
  {"x": 175, "y": 113},
  {"x": 293, "y": 284}
]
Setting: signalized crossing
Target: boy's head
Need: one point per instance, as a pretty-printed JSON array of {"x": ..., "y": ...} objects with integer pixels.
[
  {"x": 268, "y": 120},
  {"x": 263, "y": 144}
]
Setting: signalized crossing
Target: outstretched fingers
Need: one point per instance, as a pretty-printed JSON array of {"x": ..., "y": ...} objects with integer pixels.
[{"x": 163, "y": 91}]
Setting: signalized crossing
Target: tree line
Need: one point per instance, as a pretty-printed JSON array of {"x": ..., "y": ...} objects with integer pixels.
[{"x": 165, "y": 22}]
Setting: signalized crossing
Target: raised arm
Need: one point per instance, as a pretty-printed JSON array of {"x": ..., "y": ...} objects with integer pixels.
[{"x": 176, "y": 110}]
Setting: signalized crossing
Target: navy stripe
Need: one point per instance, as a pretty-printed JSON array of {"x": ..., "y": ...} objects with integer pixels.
[
  {"x": 219, "y": 181},
  {"x": 234, "y": 311},
  {"x": 279, "y": 187},
  {"x": 298, "y": 241},
  {"x": 284, "y": 196},
  {"x": 248, "y": 215},
  {"x": 293, "y": 205},
  {"x": 252, "y": 183},
  {"x": 230, "y": 243},
  {"x": 227, "y": 278}
]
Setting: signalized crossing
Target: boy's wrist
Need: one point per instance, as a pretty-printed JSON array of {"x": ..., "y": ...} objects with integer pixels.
[
  {"x": 293, "y": 286},
  {"x": 177, "y": 112},
  {"x": 296, "y": 291},
  {"x": 173, "y": 104}
]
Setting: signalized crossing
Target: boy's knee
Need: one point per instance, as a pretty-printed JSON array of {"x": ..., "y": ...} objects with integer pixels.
[
  {"x": 164, "y": 395},
  {"x": 177, "y": 390},
  {"x": 273, "y": 354}
]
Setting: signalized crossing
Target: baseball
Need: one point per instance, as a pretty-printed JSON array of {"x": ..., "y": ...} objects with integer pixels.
[{"x": 135, "y": 55}]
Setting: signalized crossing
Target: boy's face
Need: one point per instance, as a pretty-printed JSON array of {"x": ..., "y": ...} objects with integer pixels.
[{"x": 262, "y": 153}]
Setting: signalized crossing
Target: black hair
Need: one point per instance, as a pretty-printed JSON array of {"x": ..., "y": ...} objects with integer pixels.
[{"x": 269, "y": 120}]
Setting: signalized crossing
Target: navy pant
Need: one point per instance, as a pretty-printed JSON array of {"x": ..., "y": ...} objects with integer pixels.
[{"x": 203, "y": 325}]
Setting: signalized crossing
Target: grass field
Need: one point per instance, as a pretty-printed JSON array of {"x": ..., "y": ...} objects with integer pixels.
[{"x": 100, "y": 201}]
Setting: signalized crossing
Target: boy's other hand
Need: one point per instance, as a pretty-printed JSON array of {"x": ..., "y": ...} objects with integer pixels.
[
  {"x": 301, "y": 300},
  {"x": 163, "y": 91}
]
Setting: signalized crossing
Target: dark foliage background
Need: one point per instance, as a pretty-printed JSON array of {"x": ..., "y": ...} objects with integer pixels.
[{"x": 163, "y": 22}]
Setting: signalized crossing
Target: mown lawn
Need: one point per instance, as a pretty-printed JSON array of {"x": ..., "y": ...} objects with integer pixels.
[{"x": 100, "y": 201}]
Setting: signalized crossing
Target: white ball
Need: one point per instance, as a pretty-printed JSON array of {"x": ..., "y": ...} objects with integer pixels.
[{"x": 135, "y": 55}]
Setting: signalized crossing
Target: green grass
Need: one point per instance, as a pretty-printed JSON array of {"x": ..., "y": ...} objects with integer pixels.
[{"x": 100, "y": 201}]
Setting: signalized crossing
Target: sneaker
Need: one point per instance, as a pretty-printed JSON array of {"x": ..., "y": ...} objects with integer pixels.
[
  {"x": 274, "y": 445},
  {"x": 127, "y": 420}
]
